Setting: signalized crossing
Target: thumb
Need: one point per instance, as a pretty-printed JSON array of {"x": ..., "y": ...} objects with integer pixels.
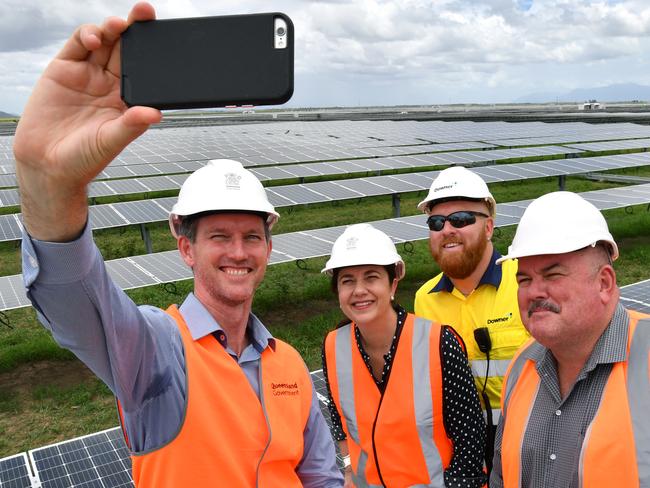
[{"x": 118, "y": 133}]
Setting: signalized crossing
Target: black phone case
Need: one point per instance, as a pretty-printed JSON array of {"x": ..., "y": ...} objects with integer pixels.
[{"x": 206, "y": 62}]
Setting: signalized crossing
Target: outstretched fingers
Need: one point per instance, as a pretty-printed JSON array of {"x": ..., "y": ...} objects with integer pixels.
[{"x": 89, "y": 38}]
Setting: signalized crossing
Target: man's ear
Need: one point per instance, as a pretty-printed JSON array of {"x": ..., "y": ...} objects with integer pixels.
[
  {"x": 186, "y": 249},
  {"x": 607, "y": 282},
  {"x": 489, "y": 227},
  {"x": 270, "y": 248}
]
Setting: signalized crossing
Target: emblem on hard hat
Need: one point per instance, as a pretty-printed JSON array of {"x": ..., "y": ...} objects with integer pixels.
[
  {"x": 351, "y": 243},
  {"x": 232, "y": 181},
  {"x": 445, "y": 187}
]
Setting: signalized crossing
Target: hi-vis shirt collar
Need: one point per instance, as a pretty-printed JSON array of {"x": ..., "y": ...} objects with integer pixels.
[{"x": 492, "y": 276}]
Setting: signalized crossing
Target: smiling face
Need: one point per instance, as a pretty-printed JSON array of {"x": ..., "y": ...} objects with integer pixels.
[
  {"x": 564, "y": 299},
  {"x": 459, "y": 251},
  {"x": 228, "y": 257},
  {"x": 365, "y": 293}
]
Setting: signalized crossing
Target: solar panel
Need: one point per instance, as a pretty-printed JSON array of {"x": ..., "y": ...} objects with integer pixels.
[
  {"x": 10, "y": 227},
  {"x": 321, "y": 392},
  {"x": 613, "y": 145},
  {"x": 637, "y": 296},
  {"x": 164, "y": 266},
  {"x": 303, "y": 245},
  {"x": 97, "y": 460},
  {"x": 15, "y": 472}
]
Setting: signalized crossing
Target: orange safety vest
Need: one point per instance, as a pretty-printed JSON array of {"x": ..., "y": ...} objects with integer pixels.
[
  {"x": 229, "y": 436},
  {"x": 616, "y": 446},
  {"x": 397, "y": 439}
]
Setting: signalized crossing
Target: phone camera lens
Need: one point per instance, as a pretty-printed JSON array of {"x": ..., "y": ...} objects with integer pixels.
[{"x": 280, "y": 31}]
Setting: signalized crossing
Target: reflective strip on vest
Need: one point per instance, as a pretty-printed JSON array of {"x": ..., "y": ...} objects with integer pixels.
[
  {"x": 346, "y": 394},
  {"x": 511, "y": 382},
  {"x": 498, "y": 367},
  {"x": 513, "y": 377},
  {"x": 423, "y": 402},
  {"x": 638, "y": 379}
]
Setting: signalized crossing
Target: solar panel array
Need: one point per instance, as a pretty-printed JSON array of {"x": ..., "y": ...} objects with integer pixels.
[
  {"x": 164, "y": 267},
  {"x": 125, "y": 186},
  {"x": 156, "y": 210},
  {"x": 309, "y": 141},
  {"x": 10, "y": 197}
]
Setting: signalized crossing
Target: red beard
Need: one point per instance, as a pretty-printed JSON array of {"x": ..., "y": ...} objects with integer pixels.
[{"x": 461, "y": 265}]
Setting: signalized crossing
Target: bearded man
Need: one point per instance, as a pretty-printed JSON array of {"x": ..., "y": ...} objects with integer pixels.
[{"x": 472, "y": 293}]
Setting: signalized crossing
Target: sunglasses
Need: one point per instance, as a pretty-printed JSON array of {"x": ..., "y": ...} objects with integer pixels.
[{"x": 457, "y": 219}]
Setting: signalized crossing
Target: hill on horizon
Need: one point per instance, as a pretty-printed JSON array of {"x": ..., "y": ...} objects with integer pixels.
[
  {"x": 624, "y": 92},
  {"x": 5, "y": 114}
]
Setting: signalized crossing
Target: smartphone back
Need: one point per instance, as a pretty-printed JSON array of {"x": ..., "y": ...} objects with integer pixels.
[{"x": 207, "y": 62}]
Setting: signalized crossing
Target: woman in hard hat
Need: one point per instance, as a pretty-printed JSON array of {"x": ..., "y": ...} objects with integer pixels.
[{"x": 400, "y": 388}]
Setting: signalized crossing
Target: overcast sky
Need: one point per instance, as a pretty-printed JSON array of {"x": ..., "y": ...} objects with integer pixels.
[{"x": 386, "y": 52}]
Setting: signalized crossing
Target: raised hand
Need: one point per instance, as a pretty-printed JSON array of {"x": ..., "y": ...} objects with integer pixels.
[{"x": 74, "y": 124}]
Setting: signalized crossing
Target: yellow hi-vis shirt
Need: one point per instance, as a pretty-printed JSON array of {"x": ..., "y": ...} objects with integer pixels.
[{"x": 493, "y": 304}]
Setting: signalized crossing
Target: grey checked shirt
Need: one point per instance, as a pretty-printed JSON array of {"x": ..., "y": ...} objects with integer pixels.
[{"x": 556, "y": 427}]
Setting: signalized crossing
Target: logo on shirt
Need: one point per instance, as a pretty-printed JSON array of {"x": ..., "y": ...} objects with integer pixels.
[
  {"x": 232, "y": 181},
  {"x": 505, "y": 318},
  {"x": 285, "y": 389}
]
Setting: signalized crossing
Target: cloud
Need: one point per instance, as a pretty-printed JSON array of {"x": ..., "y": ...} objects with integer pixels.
[{"x": 389, "y": 47}]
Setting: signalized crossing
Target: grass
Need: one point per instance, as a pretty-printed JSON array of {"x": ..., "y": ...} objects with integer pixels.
[
  {"x": 46, "y": 395},
  {"x": 55, "y": 413}
]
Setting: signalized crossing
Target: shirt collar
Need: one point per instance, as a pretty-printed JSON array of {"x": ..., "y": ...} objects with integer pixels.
[
  {"x": 201, "y": 323},
  {"x": 492, "y": 276}
]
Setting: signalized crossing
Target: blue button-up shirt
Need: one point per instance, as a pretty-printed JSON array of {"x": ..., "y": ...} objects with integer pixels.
[{"x": 138, "y": 351}]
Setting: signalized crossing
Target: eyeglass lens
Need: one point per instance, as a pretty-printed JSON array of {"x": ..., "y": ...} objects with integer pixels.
[{"x": 458, "y": 220}]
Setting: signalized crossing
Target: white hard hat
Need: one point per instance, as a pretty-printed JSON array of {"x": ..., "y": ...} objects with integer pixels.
[
  {"x": 458, "y": 182},
  {"x": 558, "y": 223},
  {"x": 222, "y": 184},
  {"x": 363, "y": 244}
]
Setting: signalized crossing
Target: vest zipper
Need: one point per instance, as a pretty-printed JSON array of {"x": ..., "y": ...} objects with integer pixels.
[{"x": 268, "y": 425}]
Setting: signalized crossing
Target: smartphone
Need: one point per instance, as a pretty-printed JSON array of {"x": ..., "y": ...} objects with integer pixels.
[{"x": 203, "y": 62}]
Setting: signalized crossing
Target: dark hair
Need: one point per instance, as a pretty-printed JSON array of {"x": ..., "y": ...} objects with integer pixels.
[{"x": 189, "y": 223}]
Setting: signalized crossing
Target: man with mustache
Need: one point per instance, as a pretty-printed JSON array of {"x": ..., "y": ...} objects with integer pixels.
[
  {"x": 576, "y": 398},
  {"x": 472, "y": 294}
]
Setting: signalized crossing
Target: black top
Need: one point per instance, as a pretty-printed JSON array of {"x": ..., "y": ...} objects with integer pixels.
[{"x": 461, "y": 409}]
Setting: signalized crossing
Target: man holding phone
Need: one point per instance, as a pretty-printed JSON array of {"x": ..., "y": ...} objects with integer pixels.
[{"x": 252, "y": 418}]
